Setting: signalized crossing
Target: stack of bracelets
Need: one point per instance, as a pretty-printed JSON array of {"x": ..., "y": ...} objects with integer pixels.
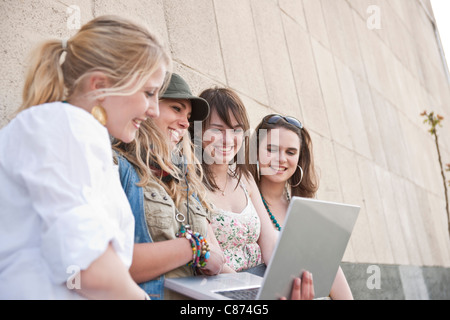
[{"x": 199, "y": 246}]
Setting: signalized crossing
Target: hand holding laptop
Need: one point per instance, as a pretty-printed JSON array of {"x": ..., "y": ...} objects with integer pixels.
[
  {"x": 314, "y": 238},
  {"x": 302, "y": 289}
]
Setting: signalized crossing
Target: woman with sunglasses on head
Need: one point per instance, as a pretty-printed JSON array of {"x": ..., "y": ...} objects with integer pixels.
[
  {"x": 163, "y": 182},
  {"x": 66, "y": 227},
  {"x": 238, "y": 216},
  {"x": 285, "y": 168}
]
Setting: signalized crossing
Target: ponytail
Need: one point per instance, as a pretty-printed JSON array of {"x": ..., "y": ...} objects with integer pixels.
[
  {"x": 44, "y": 81},
  {"x": 125, "y": 52}
]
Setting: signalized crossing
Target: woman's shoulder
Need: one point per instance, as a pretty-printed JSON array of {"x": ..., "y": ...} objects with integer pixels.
[
  {"x": 58, "y": 121},
  {"x": 249, "y": 184},
  {"x": 69, "y": 130},
  {"x": 57, "y": 109},
  {"x": 122, "y": 161},
  {"x": 155, "y": 186}
]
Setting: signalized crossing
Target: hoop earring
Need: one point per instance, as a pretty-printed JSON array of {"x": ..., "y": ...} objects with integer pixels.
[
  {"x": 257, "y": 170},
  {"x": 99, "y": 113},
  {"x": 301, "y": 177}
]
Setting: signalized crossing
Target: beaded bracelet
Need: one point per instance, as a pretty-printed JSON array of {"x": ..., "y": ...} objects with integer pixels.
[{"x": 200, "y": 246}]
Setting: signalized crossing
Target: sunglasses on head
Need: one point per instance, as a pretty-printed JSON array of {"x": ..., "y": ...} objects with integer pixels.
[{"x": 291, "y": 120}]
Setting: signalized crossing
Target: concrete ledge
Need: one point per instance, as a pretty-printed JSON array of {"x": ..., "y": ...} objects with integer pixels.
[{"x": 397, "y": 282}]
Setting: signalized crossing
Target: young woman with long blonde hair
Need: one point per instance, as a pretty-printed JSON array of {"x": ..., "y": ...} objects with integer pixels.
[{"x": 66, "y": 227}]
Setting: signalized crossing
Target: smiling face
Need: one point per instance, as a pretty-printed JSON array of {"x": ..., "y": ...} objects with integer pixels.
[
  {"x": 279, "y": 153},
  {"x": 125, "y": 113},
  {"x": 174, "y": 118},
  {"x": 220, "y": 141}
]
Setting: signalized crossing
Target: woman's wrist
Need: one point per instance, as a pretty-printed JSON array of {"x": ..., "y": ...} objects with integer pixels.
[{"x": 200, "y": 247}]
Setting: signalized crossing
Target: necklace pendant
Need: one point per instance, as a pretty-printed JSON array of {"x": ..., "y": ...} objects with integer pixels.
[{"x": 180, "y": 217}]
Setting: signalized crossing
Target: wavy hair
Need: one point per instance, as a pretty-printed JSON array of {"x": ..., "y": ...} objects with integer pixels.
[
  {"x": 151, "y": 148},
  {"x": 126, "y": 53}
]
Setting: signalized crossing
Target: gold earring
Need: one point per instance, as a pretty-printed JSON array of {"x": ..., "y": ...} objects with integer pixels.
[{"x": 99, "y": 113}]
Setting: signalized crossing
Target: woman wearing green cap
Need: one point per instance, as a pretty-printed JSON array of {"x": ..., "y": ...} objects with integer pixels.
[
  {"x": 167, "y": 196},
  {"x": 159, "y": 199}
]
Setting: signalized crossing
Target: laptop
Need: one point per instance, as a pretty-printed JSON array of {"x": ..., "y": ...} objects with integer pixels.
[{"x": 313, "y": 238}]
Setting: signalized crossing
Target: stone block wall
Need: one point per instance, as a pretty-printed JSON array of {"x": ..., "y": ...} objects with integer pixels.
[{"x": 358, "y": 73}]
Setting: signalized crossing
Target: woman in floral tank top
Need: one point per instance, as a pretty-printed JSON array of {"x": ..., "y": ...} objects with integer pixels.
[
  {"x": 238, "y": 234},
  {"x": 238, "y": 218}
]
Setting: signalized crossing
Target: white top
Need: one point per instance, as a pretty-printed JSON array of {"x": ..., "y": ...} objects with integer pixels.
[{"x": 61, "y": 202}]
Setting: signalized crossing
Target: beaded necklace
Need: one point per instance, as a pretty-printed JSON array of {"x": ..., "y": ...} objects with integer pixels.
[{"x": 272, "y": 217}]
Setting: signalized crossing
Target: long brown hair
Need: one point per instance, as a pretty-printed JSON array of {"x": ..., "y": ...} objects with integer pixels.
[
  {"x": 224, "y": 100},
  {"x": 309, "y": 184}
]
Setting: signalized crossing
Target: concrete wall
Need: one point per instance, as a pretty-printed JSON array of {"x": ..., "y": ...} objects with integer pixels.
[
  {"x": 397, "y": 282},
  {"x": 358, "y": 73}
]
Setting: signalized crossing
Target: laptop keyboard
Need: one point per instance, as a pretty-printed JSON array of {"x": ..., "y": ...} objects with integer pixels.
[{"x": 243, "y": 294}]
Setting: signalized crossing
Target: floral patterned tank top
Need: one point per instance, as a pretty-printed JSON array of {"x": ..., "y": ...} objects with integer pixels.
[{"x": 237, "y": 234}]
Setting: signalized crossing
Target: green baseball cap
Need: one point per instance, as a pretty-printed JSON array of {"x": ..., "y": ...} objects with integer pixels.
[{"x": 179, "y": 89}]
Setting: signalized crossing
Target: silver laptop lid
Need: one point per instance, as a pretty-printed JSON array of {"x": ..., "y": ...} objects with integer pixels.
[{"x": 314, "y": 238}]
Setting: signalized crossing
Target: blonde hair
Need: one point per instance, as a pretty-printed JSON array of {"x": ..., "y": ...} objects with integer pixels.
[
  {"x": 152, "y": 148},
  {"x": 126, "y": 53}
]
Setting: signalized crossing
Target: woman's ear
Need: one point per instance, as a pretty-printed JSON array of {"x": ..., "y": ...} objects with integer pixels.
[{"x": 98, "y": 81}]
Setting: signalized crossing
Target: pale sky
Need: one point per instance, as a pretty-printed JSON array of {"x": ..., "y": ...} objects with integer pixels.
[{"x": 441, "y": 9}]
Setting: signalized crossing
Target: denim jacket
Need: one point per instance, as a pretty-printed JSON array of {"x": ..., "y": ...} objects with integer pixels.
[{"x": 129, "y": 178}]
